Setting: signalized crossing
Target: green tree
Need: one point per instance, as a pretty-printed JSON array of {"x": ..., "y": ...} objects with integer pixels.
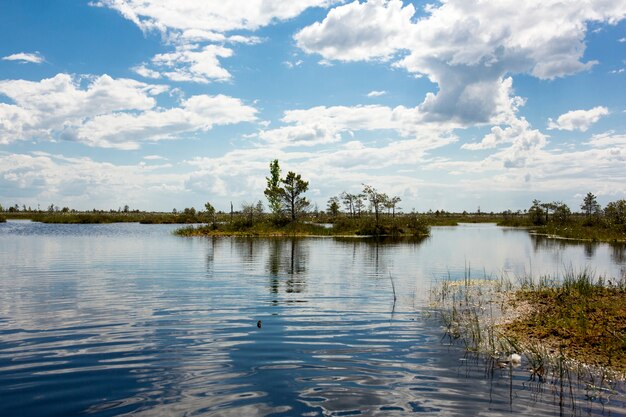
[
  {"x": 273, "y": 191},
  {"x": 590, "y": 205},
  {"x": 615, "y": 212},
  {"x": 251, "y": 211},
  {"x": 348, "y": 201},
  {"x": 391, "y": 204},
  {"x": 561, "y": 213},
  {"x": 537, "y": 213},
  {"x": 210, "y": 212},
  {"x": 291, "y": 194},
  {"x": 333, "y": 206},
  {"x": 376, "y": 199},
  {"x": 359, "y": 205}
]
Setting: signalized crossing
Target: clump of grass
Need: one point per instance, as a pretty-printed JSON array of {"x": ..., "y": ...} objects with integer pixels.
[
  {"x": 583, "y": 317},
  {"x": 2, "y": 219},
  {"x": 576, "y": 324}
]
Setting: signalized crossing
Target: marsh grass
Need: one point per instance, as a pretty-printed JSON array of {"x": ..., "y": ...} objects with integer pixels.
[
  {"x": 108, "y": 217},
  {"x": 576, "y": 228},
  {"x": 569, "y": 328},
  {"x": 2, "y": 219},
  {"x": 345, "y": 226}
]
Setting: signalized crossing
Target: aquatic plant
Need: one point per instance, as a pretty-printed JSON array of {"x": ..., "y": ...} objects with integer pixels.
[{"x": 560, "y": 327}]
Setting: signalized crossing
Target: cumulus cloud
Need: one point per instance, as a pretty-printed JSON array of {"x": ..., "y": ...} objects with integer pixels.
[
  {"x": 518, "y": 131},
  {"x": 25, "y": 57},
  {"x": 83, "y": 182},
  {"x": 359, "y": 31},
  {"x": 107, "y": 112},
  {"x": 466, "y": 50},
  {"x": 322, "y": 125},
  {"x": 189, "y": 63},
  {"x": 199, "y": 31},
  {"x": 578, "y": 119},
  {"x": 215, "y": 16}
]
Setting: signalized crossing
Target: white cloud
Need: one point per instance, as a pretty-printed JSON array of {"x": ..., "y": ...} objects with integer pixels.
[
  {"x": 299, "y": 135},
  {"x": 608, "y": 139},
  {"x": 154, "y": 158},
  {"x": 25, "y": 57},
  {"x": 293, "y": 64},
  {"x": 578, "y": 119},
  {"x": 83, "y": 182},
  {"x": 322, "y": 125},
  {"x": 376, "y": 93},
  {"x": 359, "y": 31},
  {"x": 190, "y": 63},
  {"x": 465, "y": 49},
  {"x": 198, "y": 113},
  {"x": 146, "y": 72},
  {"x": 107, "y": 112},
  {"x": 518, "y": 131},
  {"x": 214, "y": 16},
  {"x": 199, "y": 31}
]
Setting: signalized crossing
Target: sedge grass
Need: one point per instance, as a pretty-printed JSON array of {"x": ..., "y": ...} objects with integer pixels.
[{"x": 575, "y": 325}]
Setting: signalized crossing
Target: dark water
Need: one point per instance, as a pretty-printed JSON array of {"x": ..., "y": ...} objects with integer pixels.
[{"x": 129, "y": 319}]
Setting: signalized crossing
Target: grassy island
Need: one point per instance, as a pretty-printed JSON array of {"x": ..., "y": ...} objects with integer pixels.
[
  {"x": 574, "y": 324},
  {"x": 260, "y": 225}
]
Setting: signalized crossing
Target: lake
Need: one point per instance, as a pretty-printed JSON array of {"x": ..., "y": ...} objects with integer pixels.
[{"x": 123, "y": 319}]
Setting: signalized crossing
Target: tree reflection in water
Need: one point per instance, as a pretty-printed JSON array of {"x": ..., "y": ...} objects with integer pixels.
[{"x": 288, "y": 258}]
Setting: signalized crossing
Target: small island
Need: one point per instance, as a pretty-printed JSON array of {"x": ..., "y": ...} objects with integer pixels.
[{"x": 368, "y": 212}]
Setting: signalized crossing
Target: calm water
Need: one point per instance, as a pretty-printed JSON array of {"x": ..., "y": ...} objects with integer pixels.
[{"x": 129, "y": 319}]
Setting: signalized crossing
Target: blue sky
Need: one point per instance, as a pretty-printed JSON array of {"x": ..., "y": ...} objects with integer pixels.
[{"x": 449, "y": 105}]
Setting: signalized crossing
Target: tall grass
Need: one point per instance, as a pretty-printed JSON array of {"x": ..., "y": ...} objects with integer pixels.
[{"x": 575, "y": 324}]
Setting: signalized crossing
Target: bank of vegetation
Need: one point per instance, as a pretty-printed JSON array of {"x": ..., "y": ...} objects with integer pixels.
[
  {"x": 572, "y": 325},
  {"x": 366, "y": 212},
  {"x": 98, "y": 217},
  {"x": 369, "y": 213},
  {"x": 593, "y": 222}
]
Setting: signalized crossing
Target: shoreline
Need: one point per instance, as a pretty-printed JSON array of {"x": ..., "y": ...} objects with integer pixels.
[{"x": 551, "y": 324}]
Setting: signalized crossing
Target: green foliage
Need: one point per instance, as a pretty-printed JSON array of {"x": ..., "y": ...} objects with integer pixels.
[
  {"x": 615, "y": 213},
  {"x": 291, "y": 194},
  {"x": 209, "y": 211},
  {"x": 590, "y": 205},
  {"x": 273, "y": 191},
  {"x": 250, "y": 213},
  {"x": 333, "y": 206},
  {"x": 537, "y": 214},
  {"x": 376, "y": 200},
  {"x": 417, "y": 226},
  {"x": 561, "y": 214}
]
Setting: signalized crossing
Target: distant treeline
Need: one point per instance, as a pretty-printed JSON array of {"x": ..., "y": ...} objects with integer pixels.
[{"x": 592, "y": 222}]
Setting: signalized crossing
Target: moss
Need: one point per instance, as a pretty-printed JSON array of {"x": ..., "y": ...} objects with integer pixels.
[{"x": 583, "y": 319}]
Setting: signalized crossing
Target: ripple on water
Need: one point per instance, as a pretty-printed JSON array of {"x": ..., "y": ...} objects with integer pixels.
[{"x": 129, "y": 319}]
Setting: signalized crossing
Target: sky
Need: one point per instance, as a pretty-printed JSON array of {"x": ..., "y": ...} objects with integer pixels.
[{"x": 454, "y": 105}]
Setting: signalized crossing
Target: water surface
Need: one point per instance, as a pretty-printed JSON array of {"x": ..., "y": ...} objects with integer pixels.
[{"x": 130, "y": 319}]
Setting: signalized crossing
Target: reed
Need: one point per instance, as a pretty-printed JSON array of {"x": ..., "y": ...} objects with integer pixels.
[{"x": 573, "y": 325}]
